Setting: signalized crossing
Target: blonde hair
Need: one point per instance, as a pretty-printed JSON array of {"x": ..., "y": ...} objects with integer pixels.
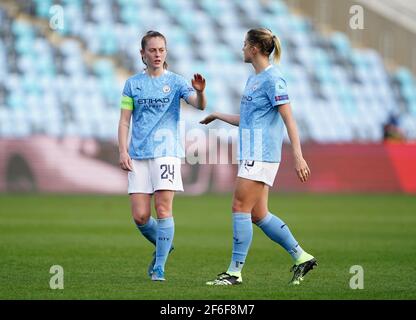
[{"x": 266, "y": 41}]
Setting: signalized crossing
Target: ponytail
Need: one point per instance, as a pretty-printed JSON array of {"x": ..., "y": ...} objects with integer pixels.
[
  {"x": 266, "y": 41},
  {"x": 277, "y": 49}
]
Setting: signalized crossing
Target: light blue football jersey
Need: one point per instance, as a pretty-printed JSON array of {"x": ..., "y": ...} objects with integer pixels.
[
  {"x": 261, "y": 127},
  {"x": 155, "y": 105}
]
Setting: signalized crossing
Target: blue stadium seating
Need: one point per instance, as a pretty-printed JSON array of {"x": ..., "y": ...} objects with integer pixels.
[{"x": 339, "y": 93}]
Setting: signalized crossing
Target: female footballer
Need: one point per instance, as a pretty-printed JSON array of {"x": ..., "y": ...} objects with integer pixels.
[
  {"x": 264, "y": 111},
  {"x": 151, "y": 99}
]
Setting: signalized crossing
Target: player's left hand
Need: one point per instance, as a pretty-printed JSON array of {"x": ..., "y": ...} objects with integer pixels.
[
  {"x": 302, "y": 169},
  {"x": 198, "y": 82}
]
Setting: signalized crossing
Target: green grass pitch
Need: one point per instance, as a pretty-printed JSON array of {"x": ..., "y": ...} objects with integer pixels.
[{"x": 104, "y": 256}]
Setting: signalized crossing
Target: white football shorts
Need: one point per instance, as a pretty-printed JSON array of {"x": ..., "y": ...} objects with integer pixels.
[
  {"x": 258, "y": 171},
  {"x": 150, "y": 175}
]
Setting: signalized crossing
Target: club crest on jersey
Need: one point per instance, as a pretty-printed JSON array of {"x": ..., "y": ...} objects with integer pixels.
[
  {"x": 166, "y": 89},
  {"x": 254, "y": 87}
]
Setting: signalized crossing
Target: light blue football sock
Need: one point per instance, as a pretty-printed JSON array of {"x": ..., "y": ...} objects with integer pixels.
[
  {"x": 165, "y": 232},
  {"x": 149, "y": 230},
  {"x": 242, "y": 236},
  {"x": 279, "y": 232}
]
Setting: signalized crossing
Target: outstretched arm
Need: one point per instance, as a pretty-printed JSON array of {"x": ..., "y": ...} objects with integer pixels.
[
  {"x": 233, "y": 119},
  {"x": 301, "y": 166},
  {"x": 199, "y": 100}
]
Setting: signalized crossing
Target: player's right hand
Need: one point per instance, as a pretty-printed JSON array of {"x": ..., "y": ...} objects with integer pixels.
[
  {"x": 208, "y": 119},
  {"x": 125, "y": 162}
]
